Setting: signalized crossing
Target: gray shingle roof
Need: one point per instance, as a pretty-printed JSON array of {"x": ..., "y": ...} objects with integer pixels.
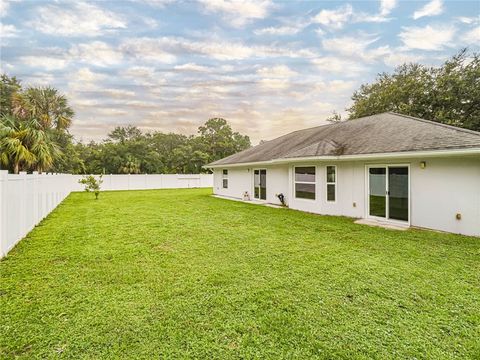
[{"x": 382, "y": 133}]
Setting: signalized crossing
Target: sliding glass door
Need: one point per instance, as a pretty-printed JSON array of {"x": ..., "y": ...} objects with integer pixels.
[
  {"x": 388, "y": 192},
  {"x": 260, "y": 184}
]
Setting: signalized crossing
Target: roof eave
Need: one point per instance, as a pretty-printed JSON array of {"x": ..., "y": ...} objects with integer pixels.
[{"x": 374, "y": 156}]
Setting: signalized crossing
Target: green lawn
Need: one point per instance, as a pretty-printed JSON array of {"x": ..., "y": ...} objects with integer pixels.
[{"x": 180, "y": 274}]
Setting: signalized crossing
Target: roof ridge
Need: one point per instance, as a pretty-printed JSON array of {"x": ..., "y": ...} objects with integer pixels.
[{"x": 451, "y": 127}]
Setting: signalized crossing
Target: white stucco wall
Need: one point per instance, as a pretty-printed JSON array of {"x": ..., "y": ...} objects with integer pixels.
[
  {"x": 445, "y": 187},
  {"x": 241, "y": 180},
  {"x": 350, "y": 190}
]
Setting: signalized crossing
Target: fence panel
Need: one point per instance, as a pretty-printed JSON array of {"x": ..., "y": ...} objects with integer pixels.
[{"x": 25, "y": 199}]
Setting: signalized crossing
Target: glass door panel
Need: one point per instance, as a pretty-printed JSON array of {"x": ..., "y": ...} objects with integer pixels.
[
  {"x": 398, "y": 193},
  {"x": 263, "y": 184},
  {"x": 260, "y": 184},
  {"x": 377, "y": 191}
]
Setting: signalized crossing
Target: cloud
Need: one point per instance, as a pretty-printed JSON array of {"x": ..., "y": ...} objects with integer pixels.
[
  {"x": 191, "y": 67},
  {"x": 110, "y": 111},
  {"x": 274, "y": 84},
  {"x": 85, "y": 80},
  {"x": 427, "y": 38},
  {"x": 166, "y": 49},
  {"x": 358, "y": 48},
  {"x": 151, "y": 49},
  {"x": 141, "y": 104},
  {"x": 140, "y": 72},
  {"x": 96, "y": 53},
  {"x": 238, "y": 12},
  {"x": 4, "y": 7},
  {"x": 276, "y": 77},
  {"x": 158, "y": 3},
  {"x": 280, "y": 71},
  {"x": 386, "y": 6},
  {"x": 86, "y": 75},
  {"x": 287, "y": 28},
  {"x": 279, "y": 30},
  {"x": 39, "y": 79},
  {"x": 349, "y": 45},
  {"x": 7, "y": 31},
  {"x": 365, "y": 17},
  {"x": 334, "y": 18},
  {"x": 143, "y": 76},
  {"x": 434, "y": 7},
  {"x": 467, "y": 20},
  {"x": 398, "y": 58},
  {"x": 340, "y": 86},
  {"x": 338, "y": 65},
  {"x": 118, "y": 93},
  {"x": 76, "y": 19},
  {"x": 47, "y": 62},
  {"x": 472, "y": 36}
]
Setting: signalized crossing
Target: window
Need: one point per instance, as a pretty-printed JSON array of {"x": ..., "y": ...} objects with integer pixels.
[
  {"x": 331, "y": 183},
  {"x": 225, "y": 178},
  {"x": 305, "y": 182}
]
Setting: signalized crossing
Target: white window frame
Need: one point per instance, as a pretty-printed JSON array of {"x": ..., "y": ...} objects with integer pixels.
[
  {"x": 331, "y": 183},
  {"x": 295, "y": 182},
  {"x": 253, "y": 183},
  {"x": 224, "y": 177},
  {"x": 387, "y": 204}
]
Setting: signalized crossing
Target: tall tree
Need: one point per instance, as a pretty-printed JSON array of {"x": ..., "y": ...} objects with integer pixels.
[
  {"x": 448, "y": 94},
  {"x": 219, "y": 139},
  {"x": 9, "y": 86},
  {"x": 45, "y": 104},
  {"x": 123, "y": 134}
]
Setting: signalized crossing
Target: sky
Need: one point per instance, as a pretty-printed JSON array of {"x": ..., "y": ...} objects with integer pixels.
[{"x": 267, "y": 67}]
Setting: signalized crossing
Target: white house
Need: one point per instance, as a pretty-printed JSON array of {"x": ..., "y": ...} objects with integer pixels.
[{"x": 387, "y": 168}]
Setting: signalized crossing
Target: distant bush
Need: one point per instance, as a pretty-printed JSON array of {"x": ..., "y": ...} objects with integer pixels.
[{"x": 92, "y": 184}]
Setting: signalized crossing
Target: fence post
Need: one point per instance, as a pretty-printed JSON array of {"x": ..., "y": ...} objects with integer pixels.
[
  {"x": 23, "y": 204},
  {"x": 3, "y": 212},
  {"x": 35, "y": 197}
]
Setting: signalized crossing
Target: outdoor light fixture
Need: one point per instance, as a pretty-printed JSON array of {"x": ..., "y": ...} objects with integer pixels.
[
  {"x": 423, "y": 164},
  {"x": 458, "y": 216}
]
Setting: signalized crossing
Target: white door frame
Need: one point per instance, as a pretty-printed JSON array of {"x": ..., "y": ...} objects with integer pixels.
[
  {"x": 253, "y": 183},
  {"x": 387, "y": 197}
]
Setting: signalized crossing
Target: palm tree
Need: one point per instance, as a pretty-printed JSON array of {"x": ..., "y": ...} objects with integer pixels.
[
  {"x": 131, "y": 166},
  {"x": 24, "y": 145},
  {"x": 15, "y": 141},
  {"x": 44, "y": 149},
  {"x": 45, "y": 104}
]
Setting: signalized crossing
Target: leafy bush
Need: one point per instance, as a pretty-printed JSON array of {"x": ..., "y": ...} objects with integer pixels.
[{"x": 92, "y": 184}]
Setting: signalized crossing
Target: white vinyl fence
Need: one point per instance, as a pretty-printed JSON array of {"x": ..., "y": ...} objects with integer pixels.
[{"x": 25, "y": 199}]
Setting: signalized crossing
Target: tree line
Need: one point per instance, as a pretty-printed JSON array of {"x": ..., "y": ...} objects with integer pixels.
[
  {"x": 35, "y": 121},
  {"x": 127, "y": 150}
]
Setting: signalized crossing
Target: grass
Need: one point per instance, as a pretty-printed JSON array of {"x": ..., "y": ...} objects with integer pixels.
[{"x": 180, "y": 274}]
